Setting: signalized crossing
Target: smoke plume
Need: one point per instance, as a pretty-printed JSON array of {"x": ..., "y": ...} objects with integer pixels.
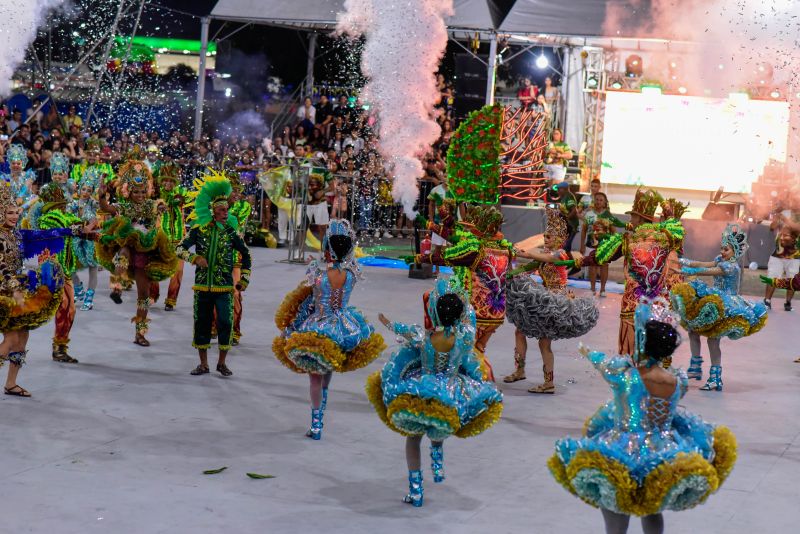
[
  {"x": 18, "y": 31},
  {"x": 405, "y": 40}
]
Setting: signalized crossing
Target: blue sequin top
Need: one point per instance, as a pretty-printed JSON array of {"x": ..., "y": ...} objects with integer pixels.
[{"x": 728, "y": 282}]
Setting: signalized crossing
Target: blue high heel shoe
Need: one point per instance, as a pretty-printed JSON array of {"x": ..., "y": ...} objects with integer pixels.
[
  {"x": 315, "y": 432},
  {"x": 79, "y": 292},
  {"x": 437, "y": 462},
  {"x": 714, "y": 382},
  {"x": 695, "y": 369},
  {"x": 88, "y": 300},
  {"x": 415, "y": 491}
]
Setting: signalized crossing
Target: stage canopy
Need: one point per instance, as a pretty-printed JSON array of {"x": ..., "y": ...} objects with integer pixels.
[{"x": 552, "y": 17}]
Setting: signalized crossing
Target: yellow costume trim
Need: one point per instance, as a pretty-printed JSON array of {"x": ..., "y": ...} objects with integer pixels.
[
  {"x": 486, "y": 419},
  {"x": 424, "y": 407},
  {"x": 559, "y": 472},
  {"x": 725, "y": 452},
  {"x": 287, "y": 311},
  {"x": 162, "y": 262},
  {"x": 317, "y": 344},
  {"x": 279, "y": 349},
  {"x": 482, "y": 363},
  {"x": 374, "y": 389},
  {"x": 694, "y": 306},
  {"x": 364, "y": 353},
  {"x": 658, "y": 483},
  {"x": 616, "y": 474},
  {"x": 37, "y": 309}
]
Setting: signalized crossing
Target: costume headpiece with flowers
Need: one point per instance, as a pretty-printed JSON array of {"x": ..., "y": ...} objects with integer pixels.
[
  {"x": 211, "y": 189},
  {"x": 483, "y": 220},
  {"x": 656, "y": 309},
  {"x": 17, "y": 153},
  {"x": 645, "y": 204},
  {"x": 673, "y": 209},
  {"x": 556, "y": 226},
  {"x": 134, "y": 174},
  {"x": 91, "y": 178},
  {"x": 59, "y": 163},
  {"x": 734, "y": 237}
]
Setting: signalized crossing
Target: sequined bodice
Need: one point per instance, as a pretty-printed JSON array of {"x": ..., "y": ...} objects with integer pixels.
[
  {"x": 728, "y": 282},
  {"x": 554, "y": 277},
  {"x": 659, "y": 412},
  {"x": 10, "y": 259},
  {"x": 330, "y": 299},
  {"x": 440, "y": 362},
  {"x": 142, "y": 213},
  {"x": 86, "y": 209}
]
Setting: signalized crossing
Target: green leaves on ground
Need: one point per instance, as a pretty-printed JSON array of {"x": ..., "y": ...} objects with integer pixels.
[{"x": 214, "y": 471}]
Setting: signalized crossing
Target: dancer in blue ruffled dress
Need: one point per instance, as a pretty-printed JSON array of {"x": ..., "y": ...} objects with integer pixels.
[
  {"x": 85, "y": 207},
  {"x": 641, "y": 454},
  {"x": 320, "y": 332},
  {"x": 716, "y": 311},
  {"x": 433, "y": 385}
]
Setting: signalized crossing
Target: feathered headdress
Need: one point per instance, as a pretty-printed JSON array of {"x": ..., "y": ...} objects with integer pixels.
[
  {"x": 556, "y": 225},
  {"x": 673, "y": 209},
  {"x": 211, "y": 189},
  {"x": 485, "y": 220},
  {"x": 657, "y": 309},
  {"x": 17, "y": 153},
  {"x": 169, "y": 171},
  {"x": 645, "y": 204},
  {"x": 91, "y": 178},
  {"x": 59, "y": 163},
  {"x": 734, "y": 237}
]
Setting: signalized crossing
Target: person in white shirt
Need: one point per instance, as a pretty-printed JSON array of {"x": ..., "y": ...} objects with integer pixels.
[{"x": 306, "y": 115}]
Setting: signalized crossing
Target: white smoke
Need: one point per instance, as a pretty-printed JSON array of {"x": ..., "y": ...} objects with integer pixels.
[
  {"x": 405, "y": 40},
  {"x": 17, "y": 32}
]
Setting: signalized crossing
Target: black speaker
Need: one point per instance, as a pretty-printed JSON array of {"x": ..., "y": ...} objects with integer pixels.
[
  {"x": 464, "y": 106},
  {"x": 721, "y": 211},
  {"x": 469, "y": 67}
]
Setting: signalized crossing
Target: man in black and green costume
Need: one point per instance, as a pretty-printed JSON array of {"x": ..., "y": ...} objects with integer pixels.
[
  {"x": 173, "y": 224},
  {"x": 216, "y": 242}
]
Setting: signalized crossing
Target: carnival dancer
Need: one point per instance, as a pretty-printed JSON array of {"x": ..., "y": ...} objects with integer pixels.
[
  {"x": 641, "y": 454},
  {"x": 59, "y": 173},
  {"x": 480, "y": 257},
  {"x": 85, "y": 208},
  {"x": 132, "y": 243},
  {"x": 547, "y": 311},
  {"x": 172, "y": 223},
  {"x": 20, "y": 179},
  {"x": 216, "y": 244},
  {"x": 28, "y": 298},
  {"x": 646, "y": 249},
  {"x": 50, "y": 212},
  {"x": 93, "y": 163},
  {"x": 433, "y": 385},
  {"x": 320, "y": 332},
  {"x": 789, "y": 284}
]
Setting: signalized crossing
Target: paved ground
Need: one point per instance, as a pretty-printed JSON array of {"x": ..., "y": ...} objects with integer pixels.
[{"x": 118, "y": 443}]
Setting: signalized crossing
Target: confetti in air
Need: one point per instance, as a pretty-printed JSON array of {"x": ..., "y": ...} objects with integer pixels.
[
  {"x": 17, "y": 33},
  {"x": 405, "y": 41}
]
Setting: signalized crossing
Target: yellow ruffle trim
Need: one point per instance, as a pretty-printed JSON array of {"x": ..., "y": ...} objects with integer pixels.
[
  {"x": 694, "y": 306},
  {"x": 482, "y": 363},
  {"x": 288, "y": 309},
  {"x": 365, "y": 353},
  {"x": 317, "y": 344},
  {"x": 279, "y": 349},
  {"x": 482, "y": 422},
  {"x": 162, "y": 262},
  {"x": 559, "y": 472},
  {"x": 725, "y": 452},
  {"x": 616, "y": 473},
  {"x": 666, "y": 476},
  {"x": 425, "y": 407},
  {"x": 374, "y": 388}
]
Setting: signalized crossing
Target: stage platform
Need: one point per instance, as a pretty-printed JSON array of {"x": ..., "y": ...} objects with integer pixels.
[
  {"x": 119, "y": 442},
  {"x": 702, "y": 237}
]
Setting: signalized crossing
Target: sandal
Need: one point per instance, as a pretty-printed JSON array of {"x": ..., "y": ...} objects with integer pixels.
[
  {"x": 797, "y": 360},
  {"x": 141, "y": 341},
  {"x": 200, "y": 370},
  {"x": 543, "y": 389},
  {"x": 17, "y": 391},
  {"x": 63, "y": 357},
  {"x": 223, "y": 369}
]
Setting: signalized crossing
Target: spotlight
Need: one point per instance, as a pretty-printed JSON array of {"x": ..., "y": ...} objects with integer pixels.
[
  {"x": 616, "y": 83},
  {"x": 775, "y": 94},
  {"x": 634, "y": 66},
  {"x": 542, "y": 62},
  {"x": 682, "y": 90},
  {"x": 592, "y": 82}
]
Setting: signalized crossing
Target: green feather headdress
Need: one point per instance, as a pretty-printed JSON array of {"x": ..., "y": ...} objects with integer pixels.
[{"x": 211, "y": 188}]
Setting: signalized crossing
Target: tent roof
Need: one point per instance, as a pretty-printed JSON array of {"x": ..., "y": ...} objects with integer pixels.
[{"x": 321, "y": 14}]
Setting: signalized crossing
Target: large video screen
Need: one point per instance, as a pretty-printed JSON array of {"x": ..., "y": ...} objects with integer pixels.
[{"x": 691, "y": 142}]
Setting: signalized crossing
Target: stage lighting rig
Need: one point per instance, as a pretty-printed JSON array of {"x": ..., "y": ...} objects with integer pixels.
[{"x": 634, "y": 66}]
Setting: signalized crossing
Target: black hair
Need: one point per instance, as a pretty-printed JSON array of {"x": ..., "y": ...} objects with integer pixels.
[
  {"x": 449, "y": 308},
  {"x": 661, "y": 339},
  {"x": 340, "y": 246}
]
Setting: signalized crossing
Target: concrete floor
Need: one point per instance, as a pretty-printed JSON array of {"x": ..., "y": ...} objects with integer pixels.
[{"x": 119, "y": 442}]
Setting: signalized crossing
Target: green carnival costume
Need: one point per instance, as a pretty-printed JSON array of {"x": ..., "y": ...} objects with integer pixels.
[{"x": 173, "y": 225}]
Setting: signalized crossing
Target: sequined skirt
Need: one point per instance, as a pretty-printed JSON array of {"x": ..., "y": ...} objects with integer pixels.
[
  {"x": 716, "y": 314},
  {"x": 43, "y": 288},
  {"x": 415, "y": 403}
]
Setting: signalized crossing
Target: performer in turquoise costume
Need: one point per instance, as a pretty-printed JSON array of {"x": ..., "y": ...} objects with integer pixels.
[
  {"x": 19, "y": 179},
  {"x": 716, "y": 311},
  {"x": 321, "y": 333},
  {"x": 641, "y": 454},
  {"x": 433, "y": 385},
  {"x": 85, "y": 207}
]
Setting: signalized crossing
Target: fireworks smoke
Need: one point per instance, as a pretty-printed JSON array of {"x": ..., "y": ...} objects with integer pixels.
[
  {"x": 405, "y": 42},
  {"x": 19, "y": 29}
]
